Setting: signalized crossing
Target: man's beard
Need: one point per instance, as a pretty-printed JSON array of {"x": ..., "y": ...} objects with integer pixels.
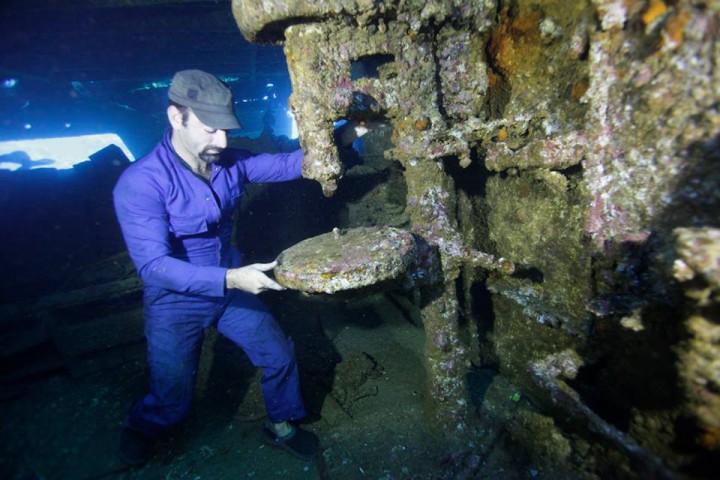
[{"x": 210, "y": 154}]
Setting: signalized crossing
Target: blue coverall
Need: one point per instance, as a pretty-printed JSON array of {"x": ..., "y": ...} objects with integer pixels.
[{"x": 177, "y": 227}]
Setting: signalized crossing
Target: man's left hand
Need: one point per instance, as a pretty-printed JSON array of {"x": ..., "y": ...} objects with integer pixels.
[{"x": 252, "y": 278}]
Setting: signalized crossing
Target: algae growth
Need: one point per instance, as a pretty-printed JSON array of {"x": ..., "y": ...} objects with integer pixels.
[{"x": 556, "y": 146}]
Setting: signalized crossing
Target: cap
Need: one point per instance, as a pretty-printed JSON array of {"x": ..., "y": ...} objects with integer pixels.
[{"x": 210, "y": 99}]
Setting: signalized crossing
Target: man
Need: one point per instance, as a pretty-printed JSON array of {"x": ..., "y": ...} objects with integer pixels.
[{"x": 175, "y": 207}]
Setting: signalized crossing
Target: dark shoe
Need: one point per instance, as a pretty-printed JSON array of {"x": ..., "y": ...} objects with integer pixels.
[
  {"x": 135, "y": 447},
  {"x": 299, "y": 442}
]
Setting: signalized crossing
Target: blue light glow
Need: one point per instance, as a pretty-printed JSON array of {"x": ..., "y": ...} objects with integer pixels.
[
  {"x": 10, "y": 82},
  {"x": 293, "y": 125},
  {"x": 62, "y": 152}
]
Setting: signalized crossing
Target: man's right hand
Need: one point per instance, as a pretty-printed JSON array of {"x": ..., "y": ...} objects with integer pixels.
[{"x": 251, "y": 278}]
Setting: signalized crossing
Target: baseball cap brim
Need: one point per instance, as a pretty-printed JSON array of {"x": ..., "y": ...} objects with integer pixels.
[{"x": 220, "y": 120}]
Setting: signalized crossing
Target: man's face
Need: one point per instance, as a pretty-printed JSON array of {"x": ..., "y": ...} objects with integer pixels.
[{"x": 197, "y": 140}]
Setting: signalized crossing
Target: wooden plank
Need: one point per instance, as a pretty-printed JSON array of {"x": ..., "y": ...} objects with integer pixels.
[{"x": 45, "y": 305}]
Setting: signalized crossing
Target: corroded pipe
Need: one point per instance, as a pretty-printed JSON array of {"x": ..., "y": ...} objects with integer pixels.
[{"x": 547, "y": 373}]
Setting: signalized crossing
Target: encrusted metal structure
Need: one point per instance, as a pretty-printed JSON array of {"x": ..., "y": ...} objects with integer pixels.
[
  {"x": 326, "y": 44},
  {"x": 578, "y": 139}
]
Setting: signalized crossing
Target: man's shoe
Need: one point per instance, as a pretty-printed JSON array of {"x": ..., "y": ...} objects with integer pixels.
[
  {"x": 135, "y": 447},
  {"x": 299, "y": 442}
]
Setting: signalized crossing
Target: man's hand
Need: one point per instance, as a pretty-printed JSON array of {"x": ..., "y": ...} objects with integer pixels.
[{"x": 251, "y": 278}]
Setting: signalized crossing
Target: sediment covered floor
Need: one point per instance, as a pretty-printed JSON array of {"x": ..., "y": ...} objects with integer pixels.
[{"x": 363, "y": 377}]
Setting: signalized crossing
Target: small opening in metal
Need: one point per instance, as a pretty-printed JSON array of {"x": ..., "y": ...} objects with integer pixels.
[{"x": 368, "y": 66}]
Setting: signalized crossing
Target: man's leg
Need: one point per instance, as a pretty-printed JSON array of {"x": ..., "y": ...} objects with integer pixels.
[
  {"x": 174, "y": 336},
  {"x": 247, "y": 322}
]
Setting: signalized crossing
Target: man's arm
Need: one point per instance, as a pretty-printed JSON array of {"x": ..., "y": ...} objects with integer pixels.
[
  {"x": 144, "y": 222},
  {"x": 272, "y": 167}
]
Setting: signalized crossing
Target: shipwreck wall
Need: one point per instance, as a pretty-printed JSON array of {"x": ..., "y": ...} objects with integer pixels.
[{"x": 578, "y": 140}]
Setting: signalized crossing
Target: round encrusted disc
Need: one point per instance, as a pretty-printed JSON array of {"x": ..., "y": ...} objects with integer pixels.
[{"x": 345, "y": 259}]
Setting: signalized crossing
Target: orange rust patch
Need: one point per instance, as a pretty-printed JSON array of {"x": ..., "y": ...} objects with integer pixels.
[
  {"x": 675, "y": 27},
  {"x": 526, "y": 24},
  {"x": 656, "y": 9},
  {"x": 710, "y": 439},
  {"x": 515, "y": 41},
  {"x": 579, "y": 90},
  {"x": 502, "y": 134},
  {"x": 493, "y": 78},
  {"x": 290, "y": 60},
  {"x": 422, "y": 124}
]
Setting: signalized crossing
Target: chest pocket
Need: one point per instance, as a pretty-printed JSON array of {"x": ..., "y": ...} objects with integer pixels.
[
  {"x": 236, "y": 194},
  {"x": 185, "y": 226}
]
